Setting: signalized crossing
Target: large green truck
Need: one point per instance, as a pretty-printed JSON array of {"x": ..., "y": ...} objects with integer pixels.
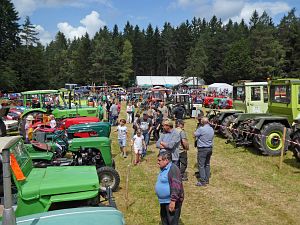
[
  {"x": 248, "y": 97},
  {"x": 266, "y": 131}
]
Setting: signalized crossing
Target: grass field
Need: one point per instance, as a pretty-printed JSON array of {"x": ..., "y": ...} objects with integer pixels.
[{"x": 245, "y": 187}]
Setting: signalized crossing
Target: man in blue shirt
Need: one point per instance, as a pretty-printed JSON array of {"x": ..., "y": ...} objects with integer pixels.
[
  {"x": 204, "y": 135},
  {"x": 169, "y": 189},
  {"x": 169, "y": 141}
]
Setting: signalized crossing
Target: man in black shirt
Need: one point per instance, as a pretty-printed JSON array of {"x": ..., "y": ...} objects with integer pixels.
[{"x": 178, "y": 112}]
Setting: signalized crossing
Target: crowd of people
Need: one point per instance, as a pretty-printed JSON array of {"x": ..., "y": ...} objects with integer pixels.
[
  {"x": 172, "y": 143},
  {"x": 170, "y": 137}
]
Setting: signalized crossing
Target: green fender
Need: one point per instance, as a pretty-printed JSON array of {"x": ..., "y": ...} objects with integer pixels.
[
  {"x": 270, "y": 119},
  {"x": 28, "y": 111}
]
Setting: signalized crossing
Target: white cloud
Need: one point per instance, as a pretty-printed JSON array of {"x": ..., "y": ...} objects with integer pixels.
[
  {"x": 234, "y": 9},
  {"x": 272, "y": 8},
  {"x": 44, "y": 36},
  {"x": 27, "y": 7},
  {"x": 92, "y": 23},
  {"x": 227, "y": 8}
]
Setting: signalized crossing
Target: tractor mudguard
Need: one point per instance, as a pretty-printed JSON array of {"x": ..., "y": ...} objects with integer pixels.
[
  {"x": 246, "y": 116},
  {"x": 29, "y": 111},
  {"x": 225, "y": 114},
  {"x": 269, "y": 119}
]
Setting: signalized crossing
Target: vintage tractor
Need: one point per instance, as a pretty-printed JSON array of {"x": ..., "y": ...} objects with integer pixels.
[
  {"x": 183, "y": 101},
  {"x": 265, "y": 131},
  {"x": 55, "y": 149},
  {"x": 248, "y": 97},
  {"x": 38, "y": 190},
  {"x": 38, "y": 103}
]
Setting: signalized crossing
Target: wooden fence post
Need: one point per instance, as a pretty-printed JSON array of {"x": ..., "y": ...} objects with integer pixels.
[{"x": 282, "y": 149}]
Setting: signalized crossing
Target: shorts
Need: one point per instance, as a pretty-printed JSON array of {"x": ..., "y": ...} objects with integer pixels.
[
  {"x": 138, "y": 151},
  {"x": 122, "y": 142}
]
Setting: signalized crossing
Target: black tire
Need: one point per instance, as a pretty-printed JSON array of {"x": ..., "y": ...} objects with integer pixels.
[
  {"x": 224, "y": 129},
  {"x": 270, "y": 140},
  {"x": 112, "y": 176},
  {"x": 2, "y": 128},
  {"x": 296, "y": 146}
]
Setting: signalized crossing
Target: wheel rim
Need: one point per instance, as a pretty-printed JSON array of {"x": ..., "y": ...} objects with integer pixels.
[
  {"x": 107, "y": 180},
  {"x": 274, "y": 141}
]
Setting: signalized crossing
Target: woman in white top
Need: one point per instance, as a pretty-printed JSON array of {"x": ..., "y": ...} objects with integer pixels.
[{"x": 129, "y": 111}]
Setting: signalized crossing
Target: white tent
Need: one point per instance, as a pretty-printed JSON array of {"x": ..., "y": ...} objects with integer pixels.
[
  {"x": 167, "y": 81},
  {"x": 220, "y": 87}
]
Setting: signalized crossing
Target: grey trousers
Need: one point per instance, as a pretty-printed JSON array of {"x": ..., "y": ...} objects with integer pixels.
[{"x": 203, "y": 157}]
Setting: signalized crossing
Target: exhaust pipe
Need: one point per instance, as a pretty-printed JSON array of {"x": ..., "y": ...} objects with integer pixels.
[{"x": 9, "y": 217}]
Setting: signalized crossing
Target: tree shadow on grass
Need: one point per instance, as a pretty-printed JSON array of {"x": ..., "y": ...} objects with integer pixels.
[{"x": 293, "y": 163}]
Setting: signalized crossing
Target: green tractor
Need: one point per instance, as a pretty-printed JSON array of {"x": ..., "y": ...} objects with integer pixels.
[
  {"x": 38, "y": 190},
  {"x": 41, "y": 102},
  {"x": 248, "y": 97},
  {"x": 57, "y": 150},
  {"x": 265, "y": 132}
]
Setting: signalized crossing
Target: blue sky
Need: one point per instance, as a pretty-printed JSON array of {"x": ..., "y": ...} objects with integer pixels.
[{"x": 75, "y": 17}]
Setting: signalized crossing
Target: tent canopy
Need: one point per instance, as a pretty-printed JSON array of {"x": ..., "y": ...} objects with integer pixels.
[
  {"x": 167, "y": 81},
  {"x": 220, "y": 87}
]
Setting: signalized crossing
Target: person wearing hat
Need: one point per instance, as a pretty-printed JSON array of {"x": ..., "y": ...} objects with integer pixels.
[
  {"x": 169, "y": 141},
  {"x": 183, "y": 148},
  {"x": 28, "y": 128}
]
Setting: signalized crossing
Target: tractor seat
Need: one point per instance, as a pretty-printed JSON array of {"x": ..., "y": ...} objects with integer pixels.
[{"x": 40, "y": 146}]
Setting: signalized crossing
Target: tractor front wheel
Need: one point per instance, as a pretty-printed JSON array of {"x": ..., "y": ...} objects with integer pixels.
[
  {"x": 270, "y": 140},
  {"x": 108, "y": 177},
  {"x": 225, "y": 126}
]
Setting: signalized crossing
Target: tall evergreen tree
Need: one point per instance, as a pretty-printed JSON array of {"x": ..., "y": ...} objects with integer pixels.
[
  {"x": 106, "y": 63},
  {"x": 237, "y": 62},
  {"x": 184, "y": 41},
  {"x": 127, "y": 58},
  {"x": 197, "y": 62},
  {"x": 9, "y": 29},
  {"x": 168, "y": 64},
  {"x": 29, "y": 33},
  {"x": 267, "y": 53},
  {"x": 288, "y": 35}
]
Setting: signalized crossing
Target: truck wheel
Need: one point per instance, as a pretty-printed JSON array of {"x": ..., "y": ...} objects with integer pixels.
[
  {"x": 2, "y": 129},
  {"x": 296, "y": 146},
  {"x": 270, "y": 142},
  {"x": 108, "y": 176},
  {"x": 224, "y": 129}
]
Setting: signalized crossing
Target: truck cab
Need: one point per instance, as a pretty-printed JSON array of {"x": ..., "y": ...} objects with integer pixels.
[{"x": 250, "y": 97}]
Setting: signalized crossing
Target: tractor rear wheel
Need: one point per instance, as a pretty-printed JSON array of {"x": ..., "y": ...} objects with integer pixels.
[
  {"x": 270, "y": 140},
  {"x": 2, "y": 128},
  {"x": 296, "y": 146},
  {"x": 225, "y": 125},
  {"x": 108, "y": 177}
]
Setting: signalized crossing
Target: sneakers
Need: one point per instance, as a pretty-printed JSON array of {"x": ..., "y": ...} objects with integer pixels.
[{"x": 200, "y": 184}]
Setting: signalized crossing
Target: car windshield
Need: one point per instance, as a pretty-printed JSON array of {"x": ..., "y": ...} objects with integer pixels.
[{"x": 280, "y": 93}]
